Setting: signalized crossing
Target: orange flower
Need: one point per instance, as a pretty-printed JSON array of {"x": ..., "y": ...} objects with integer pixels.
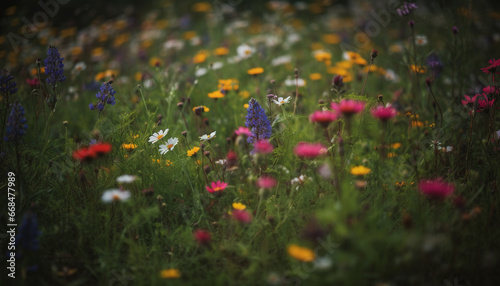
[
  {"x": 154, "y": 62},
  {"x": 417, "y": 69},
  {"x": 201, "y": 7},
  {"x": 200, "y": 57},
  {"x": 221, "y": 51},
  {"x": 331, "y": 39},
  {"x": 315, "y": 76},
  {"x": 216, "y": 94},
  {"x": 255, "y": 71},
  {"x": 355, "y": 58},
  {"x": 300, "y": 253}
]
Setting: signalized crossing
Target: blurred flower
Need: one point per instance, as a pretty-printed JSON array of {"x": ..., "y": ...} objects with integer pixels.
[
  {"x": 115, "y": 195},
  {"x": 303, "y": 254},
  {"x": 239, "y": 206},
  {"x": 32, "y": 82},
  {"x": 201, "y": 7},
  {"x": 280, "y": 101},
  {"x": 216, "y": 187},
  {"x": 293, "y": 82},
  {"x": 169, "y": 146},
  {"x": 7, "y": 83},
  {"x": 170, "y": 273},
  {"x": 434, "y": 64},
  {"x": 281, "y": 60},
  {"x": 129, "y": 146},
  {"x": 418, "y": 69},
  {"x": 155, "y": 62},
  {"x": 203, "y": 237},
  {"x": 193, "y": 151},
  {"x": 243, "y": 130},
  {"x": 216, "y": 94},
  {"x": 126, "y": 179},
  {"x": 360, "y": 170},
  {"x": 257, "y": 121},
  {"x": 383, "y": 113},
  {"x": 354, "y": 58},
  {"x": 208, "y": 136},
  {"x": 91, "y": 152},
  {"x": 266, "y": 182},
  {"x": 309, "y": 150},
  {"x": 323, "y": 117},
  {"x": 263, "y": 146},
  {"x": 348, "y": 107},
  {"x": 492, "y": 68},
  {"x": 54, "y": 67},
  {"x": 221, "y": 51},
  {"x": 157, "y": 136},
  {"x": 245, "y": 51},
  {"x": 315, "y": 76},
  {"x": 469, "y": 100},
  {"x": 16, "y": 123},
  {"x": 255, "y": 71},
  {"x": 406, "y": 8},
  {"x": 105, "y": 96},
  {"x": 242, "y": 216},
  {"x": 420, "y": 40},
  {"x": 484, "y": 103},
  {"x": 436, "y": 189}
]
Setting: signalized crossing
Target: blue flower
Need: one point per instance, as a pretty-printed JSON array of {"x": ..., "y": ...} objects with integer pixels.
[
  {"x": 7, "y": 83},
  {"x": 54, "y": 67},
  {"x": 16, "y": 123},
  {"x": 257, "y": 121},
  {"x": 434, "y": 64},
  {"x": 106, "y": 95}
]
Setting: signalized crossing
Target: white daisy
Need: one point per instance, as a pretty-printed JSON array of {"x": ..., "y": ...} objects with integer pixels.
[
  {"x": 282, "y": 101},
  {"x": 126, "y": 179},
  {"x": 217, "y": 65},
  {"x": 201, "y": 71},
  {"x": 221, "y": 162},
  {"x": 115, "y": 195},
  {"x": 169, "y": 146},
  {"x": 157, "y": 136},
  {"x": 281, "y": 60},
  {"x": 245, "y": 51},
  {"x": 421, "y": 40},
  {"x": 291, "y": 82},
  {"x": 207, "y": 136}
]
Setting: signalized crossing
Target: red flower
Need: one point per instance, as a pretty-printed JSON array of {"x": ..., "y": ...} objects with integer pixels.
[
  {"x": 33, "y": 82},
  {"x": 436, "y": 189},
  {"x": 309, "y": 150},
  {"x": 469, "y": 100},
  {"x": 242, "y": 216},
  {"x": 91, "y": 152},
  {"x": 484, "y": 103},
  {"x": 216, "y": 187},
  {"x": 383, "y": 113},
  {"x": 348, "y": 107},
  {"x": 323, "y": 117},
  {"x": 203, "y": 237},
  {"x": 266, "y": 182},
  {"x": 263, "y": 146},
  {"x": 492, "y": 68},
  {"x": 101, "y": 148}
]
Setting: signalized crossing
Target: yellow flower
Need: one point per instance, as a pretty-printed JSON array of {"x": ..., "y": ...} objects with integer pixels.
[
  {"x": 396, "y": 145},
  {"x": 316, "y": 46},
  {"x": 121, "y": 39},
  {"x": 75, "y": 51},
  {"x": 200, "y": 57},
  {"x": 129, "y": 146},
  {"x": 228, "y": 84},
  {"x": 193, "y": 151},
  {"x": 344, "y": 64},
  {"x": 246, "y": 105},
  {"x": 205, "y": 109},
  {"x": 360, "y": 170},
  {"x": 221, "y": 51},
  {"x": 154, "y": 62},
  {"x": 244, "y": 94},
  {"x": 300, "y": 253},
  {"x": 331, "y": 39},
  {"x": 315, "y": 76},
  {"x": 138, "y": 76},
  {"x": 255, "y": 71},
  {"x": 201, "y": 7},
  {"x": 417, "y": 69},
  {"x": 355, "y": 58},
  {"x": 239, "y": 206},
  {"x": 189, "y": 35},
  {"x": 216, "y": 94},
  {"x": 97, "y": 52},
  {"x": 322, "y": 56},
  {"x": 417, "y": 123},
  {"x": 170, "y": 273},
  {"x": 146, "y": 44},
  {"x": 391, "y": 155}
]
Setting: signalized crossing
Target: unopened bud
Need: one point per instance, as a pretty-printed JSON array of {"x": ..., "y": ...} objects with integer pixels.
[
  {"x": 374, "y": 54},
  {"x": 428, "y": 82},
  {"x": 411, "y": 23}
]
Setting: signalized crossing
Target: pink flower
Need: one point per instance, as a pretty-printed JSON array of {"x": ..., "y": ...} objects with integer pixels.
[
  {"x": 484, "y": 103},
  {"x": 33, "y": 82},
  {"x": 492, "y": 68},
  {"x": 489, "y": 89},
  {"x": 203, "y": 237},
  {"x": 309, "y": 150},
  {"x": 469, "y": 100},
  {"x": 348, "y": 107},
  {"x": 263, "y": 146},
  {"x": 243, "y": 130},
  {"x": 384, "y": 113},
  {"x": 266, "y": 182},
  {"x": 436, "y": 189},
  {"x": 216, "y": 187},
  {"x": 242, "y": 216},
  {"x": 323, "y": 117}
]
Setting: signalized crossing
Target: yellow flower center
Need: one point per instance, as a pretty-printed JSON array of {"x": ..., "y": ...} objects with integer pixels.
[
  {"x": 169, "y": 146},
  {"x": 216, "y": 189},
  {"x": 159, "y": 137},
  {"x": 208, "y": 136},
  {"x": 116, "y": 197},
  {"x": 247, "y": 52},
  {"x": 282, "y": 101}
]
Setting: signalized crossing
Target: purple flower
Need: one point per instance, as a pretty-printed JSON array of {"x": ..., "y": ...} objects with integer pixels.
[
  {"x": 7, "y": 83},
  {"x": 406, "y": 9},
  {"x": 105, "y": 96},
  {"x": 54, "y": 67},
  {"x": 257, "y": 121},
  {"x": 16, "y": 123}
]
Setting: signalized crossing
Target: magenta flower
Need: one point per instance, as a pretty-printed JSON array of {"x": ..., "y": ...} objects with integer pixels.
[
  {"x": 203, "y": 237},
  {"x": 323, "y": 117},
  {"x": 266, "y": 182},
  {"x": 489, "y": 89},
  {"x": 492, "y": 68},
  {"x": 216, "y": 187},
  {"x": 243, "y": 130},
  {"x": 263, "y": 146},
  {"x": 348, "y": 107},
  {"x": 242, "y": 216},
  {"x": 309, "y": 150},
  {"x": 484, "y": 103},
  {"x": 469, "y": 100},
  {"x": 384, "y": 113},
  {"x": 436, "y": 189}
]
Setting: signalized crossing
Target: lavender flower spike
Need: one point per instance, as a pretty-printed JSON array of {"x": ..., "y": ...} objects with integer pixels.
[{"x": 257, "y": 121}]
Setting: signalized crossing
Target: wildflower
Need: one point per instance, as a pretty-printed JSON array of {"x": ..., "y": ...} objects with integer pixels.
[
  {"x": 315, "y": 76},
  {"x": 309, "y": 150},
  {"x": 242, "y": 216},
  {"x": 257, "y": 121},
  {"x": 115, "y": 195},
  {"x": 216, "y": 187},
  {"x": 203, "y": 237},
  {"x": 201, "y": 108},
  {"x": 266, "y": 182},
  {"x": 469, "y": 100},
  {"x": 355, "y": 58},
  {"x": 221, "y": 51},
  {"x": 239, "y": 206},
  {"x": 16, "y": 123},
  {"x": 193, "y": 151},
  {"x": 406, "y": 9},
  {"x": 303, "y": 254},
  {"x": 243, "y": 131},
  {"x": 417, "y": 69},
  {"x": 129, "y": 146},
  {"x": 105, "y": 96},
  {"x": 255, "y": 71},
  {"x": 200, "y": 57},
  {"x": 157, "y": 136},
  {"x": 360, "y": 170},
  {"x": 489, "y": 89},
  {"x": 54, "y": 67},
  {"x": 348, "y": 107},
  {"x": 436, "y": 189},
  {"x": 200, "y": 72},
  {"x": 323, "y": 117},
  {"x": 492, "y": 68},
  {"x": 281, "y": 60},
  {"x": 208, "y": 136},
  {"x": 434, "y": 64},
  {"x": 384, "y": 113},
  {"x": 169, "y": 146},
  {"x": 420, "y": 40},
  {"x": 216, "y": 94},
  {"x": 155, "y": 62},
  {"x": 280, "y": 101},
  {"x": 245, "y": 51},
  {"x": 263, "y": 146},
  {"x": 484, "y": 103},
  {"x": 28, "y": 233},
  {"x": 292, "y": 82},
  {"x": 91, "y": 152},
  {"x": 338, "y": 81},
  {"x": 322, "y": 56},
  {"x": 126, "y": 179},
  {"x": 7, "y": 83},
  {"x": 170, "y": 273}
]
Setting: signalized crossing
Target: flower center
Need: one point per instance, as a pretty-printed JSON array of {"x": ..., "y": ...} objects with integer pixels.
[
  {"x": 282, "y": 101},
  {"x": 247, "y": 52},
  {"x": 116, "y": 197},
  {"x": 216, "y": 189},
  {"x": 208, "y": 136},
  {"x": 159, "y": 137},
  {"x": 169, "y": 146}
]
